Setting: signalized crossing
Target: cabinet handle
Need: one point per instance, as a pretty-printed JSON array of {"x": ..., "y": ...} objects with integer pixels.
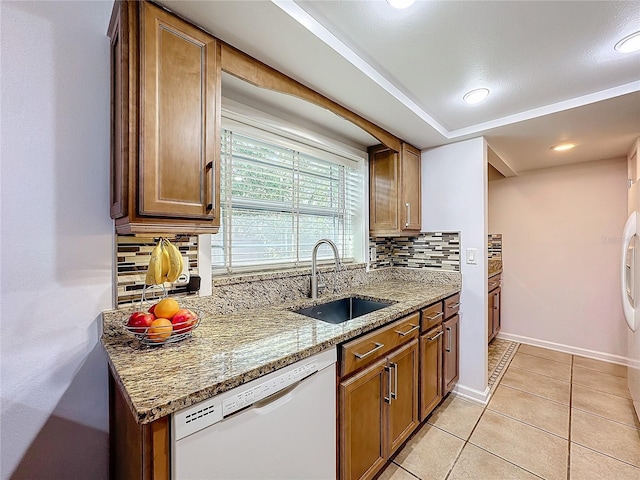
[
  {"x": 492, "y": 284},
  {"x": 449, "y": 339},
  {"x": 433, "y": 317},
  {"x": 404, "y": 334},
  {"x": 394, "y": 394},
  {"x": 454, "y": 305},
  {"x": 378, "y": 346},
  {"x": 408, "y": 205},
  {"x": 388, "y": 370},
  {"x": 440, "y": 333},
  {"x": 210, "y": 186}
]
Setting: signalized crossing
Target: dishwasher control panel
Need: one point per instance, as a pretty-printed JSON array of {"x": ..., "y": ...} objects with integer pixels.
[{"x": 245, "y": 398}]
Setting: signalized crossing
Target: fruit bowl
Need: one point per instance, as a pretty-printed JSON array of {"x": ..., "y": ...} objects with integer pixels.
[{"x": 169, "y": 326}]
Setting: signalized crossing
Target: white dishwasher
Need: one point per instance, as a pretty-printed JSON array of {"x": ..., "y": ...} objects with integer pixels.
[{"x": 279, "y": 426}]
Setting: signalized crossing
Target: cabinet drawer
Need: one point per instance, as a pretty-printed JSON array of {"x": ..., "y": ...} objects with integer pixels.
[
  {"x": 494, "y": 282},
  {"x": 431, "y": 316},
  {"x": 364, "y": 350},
  {"x": 451, "y": 305}
]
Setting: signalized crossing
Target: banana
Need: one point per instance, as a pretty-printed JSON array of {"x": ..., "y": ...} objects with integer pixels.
[
  {"x": 166, "y": 262},
  {"x": 175, "y": 261},
  {"x": 154, "y": 270}
]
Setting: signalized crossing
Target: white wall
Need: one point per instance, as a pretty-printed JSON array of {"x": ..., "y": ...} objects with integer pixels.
[
  {"x": 454, "y": 198},
  {"x": 561, "y": 231},
  {"x": 56, "y": 239}
]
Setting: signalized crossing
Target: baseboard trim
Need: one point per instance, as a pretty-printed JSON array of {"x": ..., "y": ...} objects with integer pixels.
[
  {"x": 583, "y": 352},
  {"x": 472, "y": 394}
]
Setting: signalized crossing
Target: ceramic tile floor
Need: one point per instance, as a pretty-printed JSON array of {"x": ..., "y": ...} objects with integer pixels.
[{"x": 552, "y": 416}]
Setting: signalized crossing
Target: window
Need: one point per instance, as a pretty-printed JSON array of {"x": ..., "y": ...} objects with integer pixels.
[{"x": 279, "y": 197}]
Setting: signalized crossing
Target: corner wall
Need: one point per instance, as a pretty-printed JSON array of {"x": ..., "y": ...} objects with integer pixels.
[
  {"x": 454, "y": 198},
  {"x": 56, "y": 239},
  {"x": 561, "y": 232}
]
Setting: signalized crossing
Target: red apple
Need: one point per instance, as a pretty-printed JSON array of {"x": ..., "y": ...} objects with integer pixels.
[
  {"x": 184, "y": 320},
  {"x": 152, "y": 308},
  {"x": 140, "y": 321}
]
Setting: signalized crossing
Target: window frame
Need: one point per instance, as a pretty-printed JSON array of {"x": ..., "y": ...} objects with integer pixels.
[{"x": 261, "y": 126}]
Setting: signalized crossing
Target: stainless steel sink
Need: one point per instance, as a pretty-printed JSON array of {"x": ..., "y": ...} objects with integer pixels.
[{"x": 342, "y": 310}]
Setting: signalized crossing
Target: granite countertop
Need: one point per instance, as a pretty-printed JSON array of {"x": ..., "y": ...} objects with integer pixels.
[
  {"x": 495, "y": 266},
  {"x": 229, "y": 350}
]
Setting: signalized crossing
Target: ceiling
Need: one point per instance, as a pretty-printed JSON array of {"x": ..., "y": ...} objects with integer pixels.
[{"x": 551, "y": 68}]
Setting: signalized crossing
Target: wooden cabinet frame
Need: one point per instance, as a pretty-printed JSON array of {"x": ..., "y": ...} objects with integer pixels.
[{"x": 136, "y": 451}]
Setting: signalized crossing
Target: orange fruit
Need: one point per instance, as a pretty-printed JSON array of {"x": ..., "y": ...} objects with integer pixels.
[
  {"x": 159, "y": 330},
  {"x": 166, "y": 308}
]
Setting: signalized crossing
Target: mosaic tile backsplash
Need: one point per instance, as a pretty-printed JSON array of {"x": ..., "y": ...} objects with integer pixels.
[
  {"x": 494, "y": 246},
  {"x": 133, "y": 254},
  {"x": 428, "y": 250}
]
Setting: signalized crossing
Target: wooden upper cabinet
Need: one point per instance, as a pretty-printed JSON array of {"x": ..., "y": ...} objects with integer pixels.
[
  {"x": 165, "y": 123},
  {"x": 395, "y": 191}
]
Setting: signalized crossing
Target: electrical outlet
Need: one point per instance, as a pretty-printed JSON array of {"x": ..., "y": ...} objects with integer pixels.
[
  {"x": 372, "y": 254},
  {"x": 183, "y": 279},
  {"x": 472, "y": 256}
]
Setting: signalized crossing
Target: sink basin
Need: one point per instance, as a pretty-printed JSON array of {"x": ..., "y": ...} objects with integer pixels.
[{"x": 340, "y": 311}]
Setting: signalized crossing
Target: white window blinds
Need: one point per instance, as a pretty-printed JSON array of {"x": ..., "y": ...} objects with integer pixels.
[{"x": 278, "y": 201}]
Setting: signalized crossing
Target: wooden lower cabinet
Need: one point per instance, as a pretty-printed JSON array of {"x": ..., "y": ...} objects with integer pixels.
[
  {"x": 136, "y": 451},
  {"x": 430, "y": 371},
  {"x": 451, "y": 354},
  {"x": 378, "y": 409}
]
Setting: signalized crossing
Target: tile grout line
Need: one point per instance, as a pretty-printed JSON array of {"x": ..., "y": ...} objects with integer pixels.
[
  {"x": 570, "y": 418},
  {"x": 536, "y": 395},
  {"x": 606, "y": 418},
  {"x": 607, "y": 455},
  {"x": 484, "y": 409}
]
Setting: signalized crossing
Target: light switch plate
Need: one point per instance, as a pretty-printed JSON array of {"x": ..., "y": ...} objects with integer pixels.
[{"x": 472, "y": 256}]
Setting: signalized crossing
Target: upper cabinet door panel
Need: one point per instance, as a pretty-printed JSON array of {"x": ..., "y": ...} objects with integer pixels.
[
  {"x": 411, "y": 188},
  {"x": 178, "y": 117},
  {"x": 383, "y": 184}
]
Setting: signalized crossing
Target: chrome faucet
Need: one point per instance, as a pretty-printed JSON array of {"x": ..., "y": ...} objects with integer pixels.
[{"x": 314, "y": 262}]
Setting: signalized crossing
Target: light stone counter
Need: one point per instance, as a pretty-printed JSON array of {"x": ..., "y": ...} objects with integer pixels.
[
  {"x": 227, "y": 350},
  {"x": 495, "y": 266}
]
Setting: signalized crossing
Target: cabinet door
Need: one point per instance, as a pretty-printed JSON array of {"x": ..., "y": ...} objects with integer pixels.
[
  {"x": 451, "y": 354},
  {"x": 403, "y": 409},
  {"x": 490, "y": 315},
  {"x": 362, "y": 419},
  {"x": 430, "y": 371},
  {"x": 383, "y": 190},
  {"x": 411, "y": 217},
  {"x": 178, "y": 168},
  {"x": 496, "y": 311}
]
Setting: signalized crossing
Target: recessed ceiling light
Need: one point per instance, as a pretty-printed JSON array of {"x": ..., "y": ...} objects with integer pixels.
[
  {"x": 476, "y": 96},
  {"x": 400, "y": 3},
  {"x": 629, "y": 44},
  {"x": 563, "y": 147}
]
